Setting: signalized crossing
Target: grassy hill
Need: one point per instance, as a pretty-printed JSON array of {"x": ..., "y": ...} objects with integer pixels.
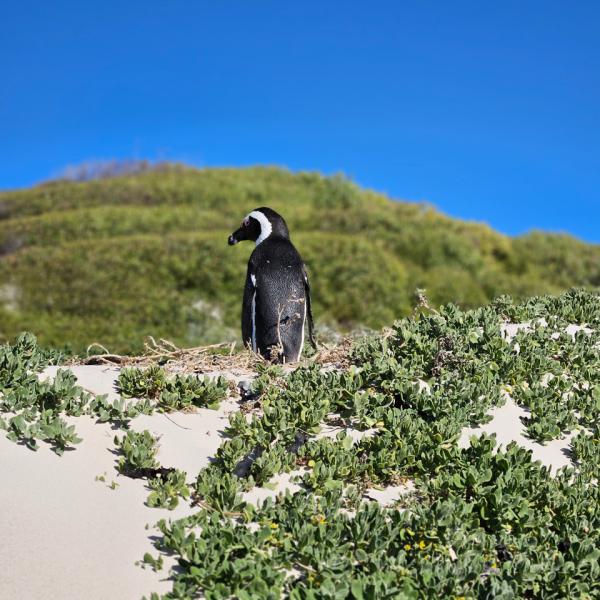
[{"x": 113, "y": 260}]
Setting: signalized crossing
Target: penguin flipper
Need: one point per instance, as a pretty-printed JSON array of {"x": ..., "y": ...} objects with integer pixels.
[
  {"x": 309, "y": 315},
  {"x": 247, "y": 316}
]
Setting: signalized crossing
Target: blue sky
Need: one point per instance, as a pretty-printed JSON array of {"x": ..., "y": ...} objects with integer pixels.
[{"x": 490, "y": 111}]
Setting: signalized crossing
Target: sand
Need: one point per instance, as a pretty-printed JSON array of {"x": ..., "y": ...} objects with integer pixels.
[{"x": 67, "y": 536}]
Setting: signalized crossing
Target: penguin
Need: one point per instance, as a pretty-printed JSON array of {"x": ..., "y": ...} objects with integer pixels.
[{"x": 276, "y": 302}]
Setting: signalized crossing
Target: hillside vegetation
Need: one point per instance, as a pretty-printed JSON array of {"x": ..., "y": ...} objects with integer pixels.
[{"x": 116, "y": 259}]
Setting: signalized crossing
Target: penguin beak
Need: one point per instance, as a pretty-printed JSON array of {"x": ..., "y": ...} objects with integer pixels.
[{"x": 232, "y": 240}]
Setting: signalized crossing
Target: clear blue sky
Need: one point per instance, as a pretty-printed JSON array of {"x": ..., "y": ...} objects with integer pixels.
[{"x": 489, "y": 110}]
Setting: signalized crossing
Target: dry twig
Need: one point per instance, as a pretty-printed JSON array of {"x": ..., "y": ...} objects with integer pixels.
[{"x": 197, "y": 359}]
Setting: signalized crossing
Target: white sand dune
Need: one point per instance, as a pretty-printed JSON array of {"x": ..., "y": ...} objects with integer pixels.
[
  {"x": 507, "y": 426},
  {"x": 66, "y": 536}
]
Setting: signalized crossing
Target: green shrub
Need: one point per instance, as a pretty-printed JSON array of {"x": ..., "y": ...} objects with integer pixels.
[
  {"x": 138, "y": 453},
  {"x": 180, "y": 392}
]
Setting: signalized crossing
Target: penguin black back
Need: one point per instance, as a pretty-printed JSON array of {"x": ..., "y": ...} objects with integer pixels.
[{"x": 276, "y": 302}]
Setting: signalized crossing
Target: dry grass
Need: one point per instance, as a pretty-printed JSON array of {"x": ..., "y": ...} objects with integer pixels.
[
  {"x": 335, "y": 355},
  {"x": 216, "y": 357}
]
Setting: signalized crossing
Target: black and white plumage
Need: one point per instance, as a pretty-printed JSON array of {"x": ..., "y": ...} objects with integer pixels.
[{"x": 276, "y": 302}]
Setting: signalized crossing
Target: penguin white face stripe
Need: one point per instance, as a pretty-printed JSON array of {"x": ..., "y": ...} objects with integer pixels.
[{"x": 265, "y": 225}]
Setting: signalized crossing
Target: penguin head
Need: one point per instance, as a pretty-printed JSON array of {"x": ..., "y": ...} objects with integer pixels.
[{"x": 258, "y": 225}]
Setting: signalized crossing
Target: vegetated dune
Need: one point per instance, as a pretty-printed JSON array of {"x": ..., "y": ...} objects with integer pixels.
[
  {"x": 116, "y": 259},
  {"x": 454, "y": 455}
]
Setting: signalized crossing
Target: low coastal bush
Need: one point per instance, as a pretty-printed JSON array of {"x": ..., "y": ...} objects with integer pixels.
[
  {"x": 31, "y": 409},
  {"x": 181, "y": 392},
  {"x": 479, "y": 521},
  {"x": 34, "y": 409},
  {"x": 138, "y": 450}
]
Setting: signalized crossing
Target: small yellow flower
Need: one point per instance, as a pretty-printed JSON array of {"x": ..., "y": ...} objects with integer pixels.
[
  {"x": 379, "y": 424},
  {"x": 407, "y": 547},
  {"x": 274, "y": 526},
  {"x": 311, "y": 463},
  {"x": 422, "y": 545}
]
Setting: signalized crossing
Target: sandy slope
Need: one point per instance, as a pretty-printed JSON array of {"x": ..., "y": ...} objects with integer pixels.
[{"x": 66, "y": 536}]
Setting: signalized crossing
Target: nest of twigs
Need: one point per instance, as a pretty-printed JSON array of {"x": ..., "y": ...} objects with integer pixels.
[
  {"x": 202, "y": 359},
  {"x": 336, "y": 355},
  {"x": 216, "y": 357}
]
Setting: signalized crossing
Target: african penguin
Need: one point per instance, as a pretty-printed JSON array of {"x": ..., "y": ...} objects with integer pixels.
[{"x": 276, "y": 300}]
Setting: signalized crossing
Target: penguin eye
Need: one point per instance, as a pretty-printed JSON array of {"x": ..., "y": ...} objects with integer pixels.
[{"x": 245, "y": 222}]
